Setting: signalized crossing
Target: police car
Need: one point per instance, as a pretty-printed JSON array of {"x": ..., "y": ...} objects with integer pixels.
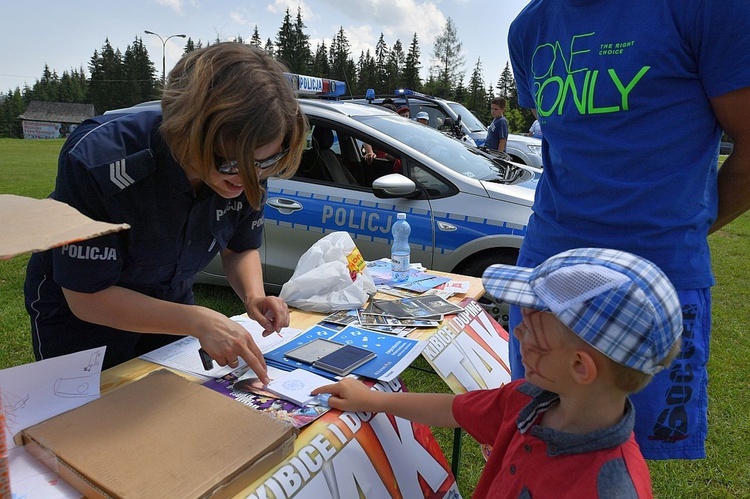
[
  {"x": 441, "y": 112},
  {"x": 467, "y": 209}
]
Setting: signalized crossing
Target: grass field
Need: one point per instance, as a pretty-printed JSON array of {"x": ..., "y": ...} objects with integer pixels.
[{"x": 28, "y": 168}]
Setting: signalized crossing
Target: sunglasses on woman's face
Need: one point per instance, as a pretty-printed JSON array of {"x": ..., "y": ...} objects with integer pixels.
[{"x": 226, "y": 167}]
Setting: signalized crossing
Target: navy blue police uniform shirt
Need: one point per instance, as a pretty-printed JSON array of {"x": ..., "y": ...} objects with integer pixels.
[{"x": 107, "y": 172}]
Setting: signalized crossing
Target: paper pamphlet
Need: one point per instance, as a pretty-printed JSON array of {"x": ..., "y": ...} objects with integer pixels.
[
  {"x": 183, "y": 353},
  {"x": 296, "y": 386},
  {"x": 247, "y": 389},
  {"x": 393, "y": 353}
]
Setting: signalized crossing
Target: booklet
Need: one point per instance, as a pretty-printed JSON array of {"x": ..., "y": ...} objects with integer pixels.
[
  {"x": 296, "y": 386},
  {"x": 246, "y": 388},
  {"x": 418, "y": 307},
  {"x": 393, "y": 354}
]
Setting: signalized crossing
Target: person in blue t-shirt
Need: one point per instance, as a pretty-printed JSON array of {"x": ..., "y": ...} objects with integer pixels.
[
  {"x": 633, "y": 113},
  {"x": 535, "y": 130},
  {"x": 497, "y": 133},
  {"x": 189, "y": 179}
]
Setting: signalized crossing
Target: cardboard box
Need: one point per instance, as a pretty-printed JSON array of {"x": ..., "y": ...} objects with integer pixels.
[
  {"x": 161, "y": 436},
  {"x": 40, "y": 224}
]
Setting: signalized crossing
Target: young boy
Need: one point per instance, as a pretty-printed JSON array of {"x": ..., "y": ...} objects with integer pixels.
[{"x": 597, "y": 325}]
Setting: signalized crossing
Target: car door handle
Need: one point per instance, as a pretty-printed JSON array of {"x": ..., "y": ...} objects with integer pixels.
[
  {"x": 446, "y": 227},
  {"x": 285, "y": 206}
]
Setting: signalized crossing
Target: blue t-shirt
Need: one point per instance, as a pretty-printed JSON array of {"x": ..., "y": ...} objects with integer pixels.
[
  {"x": 630, "y": 160},
  {"x": 497, "y": 130}
]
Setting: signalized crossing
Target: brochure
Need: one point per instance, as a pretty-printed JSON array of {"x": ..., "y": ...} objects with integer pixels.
[
  {"x": 393, "y": 354},
  {"x": 296, "y": 386},
  {"x": 418, "y": 307},
  {"x": 248, "y": 389}
]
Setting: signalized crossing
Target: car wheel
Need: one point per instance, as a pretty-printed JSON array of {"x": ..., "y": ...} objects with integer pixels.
[{"x": 476, "y": 265}]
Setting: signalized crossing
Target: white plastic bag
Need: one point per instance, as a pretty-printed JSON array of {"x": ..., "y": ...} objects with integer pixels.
[{"x": 331, "y": 275}]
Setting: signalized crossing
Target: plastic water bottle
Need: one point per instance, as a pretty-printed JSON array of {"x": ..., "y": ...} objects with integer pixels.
[{"x": 400, "y": 249}]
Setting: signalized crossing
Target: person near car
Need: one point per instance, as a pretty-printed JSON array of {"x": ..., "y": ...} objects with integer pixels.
[
  {"x": 189, "y": 179},
  {"x": 497, "y": 132},
  {"x": 603, "y": 90},
  {"x": 535, "y": 130},
  {"x": 404, "y": 111},
  {"x": 567, "y": 431},
  {"x": 423, "y": 118}
]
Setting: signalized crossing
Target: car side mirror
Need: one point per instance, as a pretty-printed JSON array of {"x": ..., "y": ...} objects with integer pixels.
[{"x": 393, "y": 185}]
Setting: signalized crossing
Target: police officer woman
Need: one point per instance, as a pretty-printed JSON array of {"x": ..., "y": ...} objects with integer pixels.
[{"x": 190, "y": 180}]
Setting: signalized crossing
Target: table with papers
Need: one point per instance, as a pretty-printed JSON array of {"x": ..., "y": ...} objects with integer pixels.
[{"x": 340, "y": 454}]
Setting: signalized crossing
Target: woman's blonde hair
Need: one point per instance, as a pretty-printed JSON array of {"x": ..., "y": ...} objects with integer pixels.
[{"x": 225, "y": 101}]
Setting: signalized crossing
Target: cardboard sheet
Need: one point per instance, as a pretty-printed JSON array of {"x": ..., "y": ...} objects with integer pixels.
[
  {"x": 161, "y": 436},
  {"x": 30, "y": 225}
]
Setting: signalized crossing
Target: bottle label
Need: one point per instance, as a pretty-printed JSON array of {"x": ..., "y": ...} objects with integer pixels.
[{"x": 400, "y": 263}]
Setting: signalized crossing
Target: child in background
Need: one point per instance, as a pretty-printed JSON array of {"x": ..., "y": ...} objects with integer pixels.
[{"x": 597, "y": 325}]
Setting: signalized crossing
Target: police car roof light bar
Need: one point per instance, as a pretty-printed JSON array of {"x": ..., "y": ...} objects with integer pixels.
[
  {"x": 407, "y": 92},
  {"x": 318, "y": 87}
]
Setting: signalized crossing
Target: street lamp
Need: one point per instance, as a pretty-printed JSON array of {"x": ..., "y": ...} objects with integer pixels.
[{"x": 163, "y": 53}]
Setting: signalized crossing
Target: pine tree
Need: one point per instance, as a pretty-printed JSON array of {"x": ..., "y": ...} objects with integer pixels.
[
  {"x": 506, "y": 85},
  {"x": 73, "y": 87},
  {"x": 320, "y": 66},
  {"x": 381, "y": 65},
  {"x": 302, "y": 54},
  {"x": 449, "y": 62},
  {"x": 106, "y": 85},
  {"x": 269, "y": 47},
  {"x": 12, "y": 107},
  {"x": 368, "y": 73},
  {"x": 342, "y": 67},
  {"x": 256, "y": 40},
  {"x": 140, "y": 75},
  {"x": 410, "y": 76},
  {"x": 476, "y": 98},
  {"x": 395, "y": 66},
  {"x": 285, "y": 41}
]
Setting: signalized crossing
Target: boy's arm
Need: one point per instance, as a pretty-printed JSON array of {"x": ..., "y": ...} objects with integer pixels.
[{"x": 433, "y": 409}]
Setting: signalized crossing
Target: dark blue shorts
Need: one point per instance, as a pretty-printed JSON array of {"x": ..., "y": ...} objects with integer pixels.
[{"x": 671, "y": 419}]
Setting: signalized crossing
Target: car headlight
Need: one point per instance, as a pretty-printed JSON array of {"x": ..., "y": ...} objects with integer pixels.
[{"x": 535, "y": 149}]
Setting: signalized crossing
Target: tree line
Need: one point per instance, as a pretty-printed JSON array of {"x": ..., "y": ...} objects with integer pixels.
[{"x": 120, "y": 79}]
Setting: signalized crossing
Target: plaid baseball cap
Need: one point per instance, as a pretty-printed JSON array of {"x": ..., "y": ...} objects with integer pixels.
[{"x": 621, "y": 304}]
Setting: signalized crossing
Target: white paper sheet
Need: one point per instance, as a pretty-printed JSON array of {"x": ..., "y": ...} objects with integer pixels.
[
  {"x": 34, "y": 392},
  {"x": 183, "y": 353}
]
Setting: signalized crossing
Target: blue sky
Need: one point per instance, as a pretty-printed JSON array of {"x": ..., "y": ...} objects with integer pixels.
[{"x": 64, "y": 35}]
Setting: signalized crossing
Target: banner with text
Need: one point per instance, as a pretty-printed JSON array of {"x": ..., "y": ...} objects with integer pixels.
[
  {"x": 343, "y": 455},
  {"x": 470, "y": 350}
]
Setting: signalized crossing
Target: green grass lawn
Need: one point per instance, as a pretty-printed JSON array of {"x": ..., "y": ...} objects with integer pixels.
[{"x": 28, "y": 168}]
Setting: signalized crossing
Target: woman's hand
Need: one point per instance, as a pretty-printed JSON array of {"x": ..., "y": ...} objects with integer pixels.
[{"x": 271, "y": 312}]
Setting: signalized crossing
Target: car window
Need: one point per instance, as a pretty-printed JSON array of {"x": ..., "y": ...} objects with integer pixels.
[
  {"x": 467, "y": 118},
  {"x": 451, "y": 153},
  {"x": 344, "y": 158},
  {"x": 433, "y": 185}
]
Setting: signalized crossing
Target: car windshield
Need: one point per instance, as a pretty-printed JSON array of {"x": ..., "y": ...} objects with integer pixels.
[
  {"x": 454, "y": 154},
  {"x": 468, "y": 118}
]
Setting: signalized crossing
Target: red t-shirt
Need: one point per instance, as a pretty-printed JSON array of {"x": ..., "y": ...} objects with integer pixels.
[{"x": 528, "y": 460}]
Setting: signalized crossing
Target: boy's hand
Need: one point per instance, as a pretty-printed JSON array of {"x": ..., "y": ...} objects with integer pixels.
[{"x": 349, "y": 395}]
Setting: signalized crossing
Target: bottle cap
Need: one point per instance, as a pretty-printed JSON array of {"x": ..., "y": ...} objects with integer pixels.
[{"x": 401, "y": 216}]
